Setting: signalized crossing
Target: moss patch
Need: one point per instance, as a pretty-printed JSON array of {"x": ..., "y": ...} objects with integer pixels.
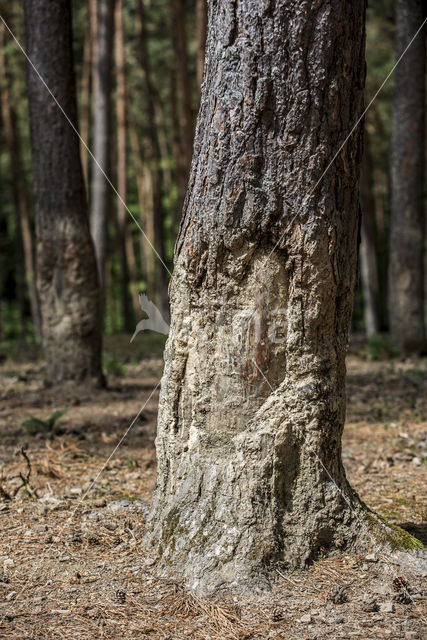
[{"x": 392, "y": 535}]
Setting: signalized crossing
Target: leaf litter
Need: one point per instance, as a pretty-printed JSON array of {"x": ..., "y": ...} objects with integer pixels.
[{"x": 75, "y": 568}]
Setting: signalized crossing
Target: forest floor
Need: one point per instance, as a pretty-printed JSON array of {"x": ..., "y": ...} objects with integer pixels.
[{"x": 71, "y": 560}]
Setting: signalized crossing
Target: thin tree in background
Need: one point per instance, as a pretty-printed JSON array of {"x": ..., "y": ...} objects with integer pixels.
[
  {"x": 124, "y": 239},
  {"x": 368, "y": 255},
  {"x": 84, "y": 107},
  {"x": 186, "y": 123},
  {"x": 66, "y": 268},
  {"x": 102, "y": 78},
  {"x": 201, "y": 27},
  {"x": 406, "y": 268},
  {"x": 25, "y": 267},
  {"x": 154, "y": 158},
  {"x": 144, "y": 186}
]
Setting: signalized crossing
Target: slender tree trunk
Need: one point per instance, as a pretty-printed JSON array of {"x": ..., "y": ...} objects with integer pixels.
[
  {"x": 201, "y": 27},
  {"x": 101, "y": 191},
  {"x": 181, "y": 169},
  {"x": 406, "y": 269},
  {"x": 252, "y": 403},
  {"x": 66, "y": 268},
  {"x": 161, "y": 279},
  {"x": 122, "y": 214},
  {"x": 25, "y": 263},
  {"x": 368, "y": 255},
  {"x": 84, "y": 111},
  {"x": 145, "y": 199},
  {"x": 184, "y": 83},
  {"x": 162, "y": 130}
]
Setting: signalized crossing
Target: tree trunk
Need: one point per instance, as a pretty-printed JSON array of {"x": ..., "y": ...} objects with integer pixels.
[
  {"x": 252, "y": 404},
  {"x": 145, "y": 200},
  {"x": 66, "y": 269},
  {"x": 368, "y": 255},
  {"x": 406, "y": 278},
  {"x": 201, "y": 26},
  {"x": 100, "y": 188},
  {"x": 181, "y": 169},
  {"x": 184, "y": 83},
  {"x": 122, "y": 214},
  {"x": 25, "y": 266},
  {"x": 161, "y": 279},
  {"x": 84, "y": 111}
]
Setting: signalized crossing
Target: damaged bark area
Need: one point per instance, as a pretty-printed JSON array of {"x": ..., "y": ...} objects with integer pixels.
[{"x": 252, "y": 404}]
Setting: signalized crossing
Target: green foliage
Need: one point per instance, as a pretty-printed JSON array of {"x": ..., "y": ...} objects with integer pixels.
[
  {"x": 112, "y": 366},
  {"x": 378, "y": 348},
  {"x": 36, "y": 425}
]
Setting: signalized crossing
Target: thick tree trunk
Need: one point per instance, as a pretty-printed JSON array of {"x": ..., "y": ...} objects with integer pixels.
[
  {"x": 100, "y": 189},
  {"x": 66, "y": 269},
  {"x": 252, "y": 404},
  {"x": 25, "y": 267},
  {"x": 368, "y": 254},
  {"x": 406, "y": 279}
]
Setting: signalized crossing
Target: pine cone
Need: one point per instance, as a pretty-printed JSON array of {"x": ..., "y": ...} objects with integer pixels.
[
  {"x": 277, "y": 614},
  {"x": 400, "y": 583},
  {"x": 121, "y": 596}
]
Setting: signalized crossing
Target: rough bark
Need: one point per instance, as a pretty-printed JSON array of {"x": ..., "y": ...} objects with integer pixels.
[
  {"x": 406, "y": 278},
  {"x": 252, "y": 402},
  {"x": 25, "y": 267},
  {"x": 368, "y": 255},
  {"x": 100, "y": 189},
  {"x": 66, "y": 269}
]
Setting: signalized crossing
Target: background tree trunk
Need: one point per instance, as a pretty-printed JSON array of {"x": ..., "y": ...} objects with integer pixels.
[
  {"x": 66, "y": 269},
  {"x": 184, "y": 84},
  {"x": 161, "y": 278},
  {"x": 252, "y": 403},
  {"x": 25, "y": 268},
  {"x": 406, "y": 278},
  {"x": 122, "y": 214},
  {"x": 368, "y": 255},
  {"x": 101, "y": 191},
  {"x": 145, "y": 200},
  {"x": 84, "y": 111},
  {"x": 201, "y": 27}
]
